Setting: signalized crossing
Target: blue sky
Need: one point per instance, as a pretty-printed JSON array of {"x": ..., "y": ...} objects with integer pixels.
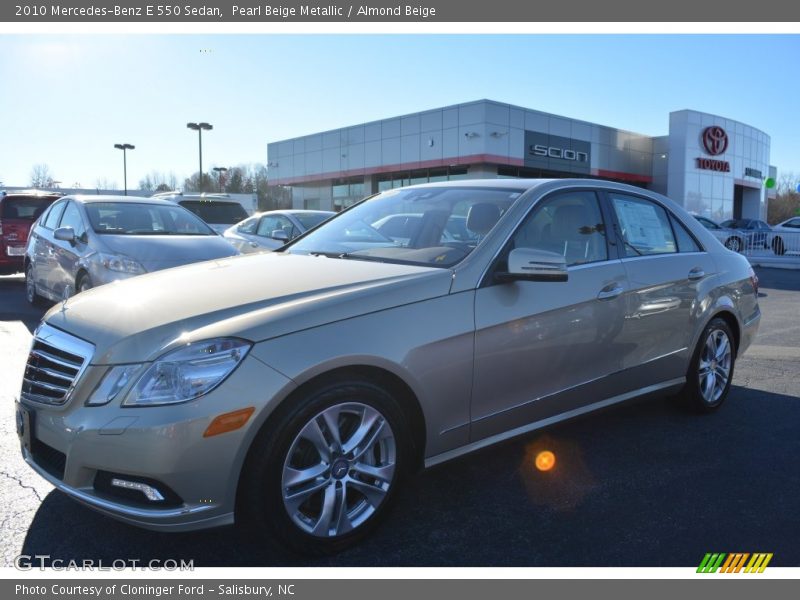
[{"x": 68, "y": 98}]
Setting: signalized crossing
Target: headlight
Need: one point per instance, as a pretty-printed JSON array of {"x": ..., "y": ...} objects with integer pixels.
[
  {"x": 112, "y": 383},
  {"x": 187, "y": 373},
  {"x": 121, "y": 264}
]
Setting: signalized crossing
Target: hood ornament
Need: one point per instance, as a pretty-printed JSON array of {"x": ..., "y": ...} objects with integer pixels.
[{"x": 65, "y": 296}]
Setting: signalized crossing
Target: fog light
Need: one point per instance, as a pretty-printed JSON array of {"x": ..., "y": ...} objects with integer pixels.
[
  {"x": 545, "y": 460},
  {"x": 149, "y": 491}
]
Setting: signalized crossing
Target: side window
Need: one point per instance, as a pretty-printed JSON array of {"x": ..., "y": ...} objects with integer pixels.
[
  {"x": 686, "y": 243},
  {"x": 271, "y": 223},
  {"x": 248, "y": 226},
  {"x": 793, "y": 223},
  {"x": 644, "y": 226},
  {"x": 51, "y": 222},
  {"x": 569, "y": 224},
  {"x": 72, "y": 218}
]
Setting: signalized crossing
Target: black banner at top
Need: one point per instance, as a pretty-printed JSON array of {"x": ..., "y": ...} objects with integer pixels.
[{"x": 496, "y": 11}]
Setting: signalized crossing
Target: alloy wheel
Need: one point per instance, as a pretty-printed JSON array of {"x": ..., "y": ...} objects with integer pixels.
[
  {"x": 339, "y": 469},
  {"x": 714, "y": 367}
]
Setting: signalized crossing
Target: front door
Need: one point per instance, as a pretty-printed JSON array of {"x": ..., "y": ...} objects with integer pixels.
[{"x": 547, "y": 348}]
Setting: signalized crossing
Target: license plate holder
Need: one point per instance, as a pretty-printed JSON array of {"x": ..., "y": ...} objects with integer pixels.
[{"x": 26, "y": 419}]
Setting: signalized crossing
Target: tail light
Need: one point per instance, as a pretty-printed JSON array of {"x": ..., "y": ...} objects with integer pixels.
[
  {"x": 754, "y": 280},
  {"x": 1, "y": 227}
]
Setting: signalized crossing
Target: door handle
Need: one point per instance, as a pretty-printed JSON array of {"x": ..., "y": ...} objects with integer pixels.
[
  {"x": 696, "y": 273},
  {"x": 253, "y": 245},
  {"x": 609, "y": 293}
]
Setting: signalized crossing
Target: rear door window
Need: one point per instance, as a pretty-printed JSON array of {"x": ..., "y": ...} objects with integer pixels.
[
  {"x": 51, "y": 222},
  {"x": 644, "y": 226}
]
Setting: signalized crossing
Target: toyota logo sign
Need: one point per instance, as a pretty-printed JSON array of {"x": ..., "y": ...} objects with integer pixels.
[{"x": 715, "y": 140}]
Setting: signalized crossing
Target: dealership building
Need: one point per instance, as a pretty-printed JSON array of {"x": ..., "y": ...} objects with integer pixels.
[{"x": 712, "y": 165}]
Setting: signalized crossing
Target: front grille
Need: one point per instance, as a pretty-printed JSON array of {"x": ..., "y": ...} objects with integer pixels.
[{"x": 55, "y": 363}]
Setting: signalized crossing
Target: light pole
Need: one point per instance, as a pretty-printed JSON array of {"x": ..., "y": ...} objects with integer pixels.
[
  {"x": 125, "y": 148},
  {"x": 199, "y": 127},
  {"x": 220, "y": 171}
]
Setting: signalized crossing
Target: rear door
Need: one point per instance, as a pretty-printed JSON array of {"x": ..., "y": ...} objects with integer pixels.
[
  {"x": 44, "y": 249},
  {"x": 668, "y": 274}
]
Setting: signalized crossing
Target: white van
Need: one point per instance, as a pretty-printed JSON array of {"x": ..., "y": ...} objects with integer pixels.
[{"x": 220, "y": 211}]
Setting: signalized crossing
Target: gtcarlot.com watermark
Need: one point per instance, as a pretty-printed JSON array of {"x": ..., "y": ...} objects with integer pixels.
[{"x": 42, "y": 562}]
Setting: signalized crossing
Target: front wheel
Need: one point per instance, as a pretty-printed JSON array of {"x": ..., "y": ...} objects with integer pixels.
[
  {"x": 323, "y": 475},
  {"x": 711, "y": 369},
  {"x": 84, "y": 283},
  {"x": 734, "y": 243}
]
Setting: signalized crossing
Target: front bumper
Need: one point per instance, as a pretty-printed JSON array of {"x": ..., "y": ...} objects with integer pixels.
[{"x": 160, "y": 444}]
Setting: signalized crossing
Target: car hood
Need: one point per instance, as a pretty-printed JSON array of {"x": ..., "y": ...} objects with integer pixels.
[
  {"x": 156, "y": 252},
  {"x": 256, "y": 297}
]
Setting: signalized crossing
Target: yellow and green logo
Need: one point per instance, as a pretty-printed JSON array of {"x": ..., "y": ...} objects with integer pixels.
[{"x": 734, "y": 563}]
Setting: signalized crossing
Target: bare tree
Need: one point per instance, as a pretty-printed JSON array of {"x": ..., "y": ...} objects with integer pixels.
[
  {"x": 104, "y": 183},
  {"x": 156, "y": 181},
  {"x": 786, "y": 203},
  {"x": 41, "y": 176}
]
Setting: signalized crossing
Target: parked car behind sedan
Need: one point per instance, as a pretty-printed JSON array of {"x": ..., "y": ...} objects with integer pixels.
[
  {"x": 18, "y": 211},
  {"x": 86, "y": 241},
  {"x": 219, "y": 211},
  {"x": 786, "y": 236},
  {"x": 742, "y": 234},
  {"x": 296, "y": 393},
  {"x": 272, "y": 229}
]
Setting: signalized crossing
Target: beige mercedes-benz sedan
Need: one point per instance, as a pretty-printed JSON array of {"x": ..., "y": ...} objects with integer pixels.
[{"x": 295, "y": 390}]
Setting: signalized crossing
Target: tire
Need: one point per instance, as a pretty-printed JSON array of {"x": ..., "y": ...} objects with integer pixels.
[
  {"x": 778, "y": 246},
  {"x": 83, "y": 283},
  {"x": 734, "y": 243},
  {"x": 324, "y": 473},
  {"x": 31, "y": 295},
  {"x": 708, "y": 380}
]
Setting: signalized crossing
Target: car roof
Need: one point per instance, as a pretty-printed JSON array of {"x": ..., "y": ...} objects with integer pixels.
[
  {"x": 31, "y": 194},
  {"x": 91, "y": 199},
  {"x": 510, "y": 183}
]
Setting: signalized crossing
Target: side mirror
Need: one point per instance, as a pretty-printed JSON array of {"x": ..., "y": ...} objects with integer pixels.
[
  {"x": 280, "y": 235},
  {"x": 65, "y": 234},
  {"x": 531, "y": 264}
]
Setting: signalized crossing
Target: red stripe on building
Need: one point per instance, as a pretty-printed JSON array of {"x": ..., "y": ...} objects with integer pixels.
[
  {"x": 425, "y": 164},
  {"x": 621, "y": 175}
]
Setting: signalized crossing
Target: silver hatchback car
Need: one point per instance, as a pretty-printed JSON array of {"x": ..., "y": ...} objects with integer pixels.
[
  {"x": 296, "y": 392},
  {"x": 86, "y": 241}
]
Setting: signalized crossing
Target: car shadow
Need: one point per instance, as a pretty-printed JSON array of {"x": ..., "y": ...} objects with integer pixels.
[
  {"x": 14, "y": 307},
  {"x": 644, "y": 484}
]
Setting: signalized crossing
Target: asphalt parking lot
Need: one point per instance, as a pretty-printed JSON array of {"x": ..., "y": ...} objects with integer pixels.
[{"x": 639, "y": 485}]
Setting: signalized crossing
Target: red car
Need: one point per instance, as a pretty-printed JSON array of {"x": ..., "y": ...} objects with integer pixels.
[{"x": 18, "y": 211}]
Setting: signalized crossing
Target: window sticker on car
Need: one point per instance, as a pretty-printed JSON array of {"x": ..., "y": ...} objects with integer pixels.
[{"x": 640, "y": 223}]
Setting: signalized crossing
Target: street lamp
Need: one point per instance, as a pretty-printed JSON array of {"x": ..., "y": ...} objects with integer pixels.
[
  {"x": 199, "y": 127},
  {"x": 125, "y": 148},
  {"x": 220, "y": 171}
]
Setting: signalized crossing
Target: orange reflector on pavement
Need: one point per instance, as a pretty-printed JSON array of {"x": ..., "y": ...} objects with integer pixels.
[
  {"x": 545, "y": 460},
  {"x": 229, "y": 421}
]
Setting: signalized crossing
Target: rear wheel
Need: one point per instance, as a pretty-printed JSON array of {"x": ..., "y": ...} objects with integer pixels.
[
  {"x": 321, "y": 477},
  {"x": 711, "y": 370},
  {"x": 31, "y": 295},
  {"x": 778, "y": 247}
]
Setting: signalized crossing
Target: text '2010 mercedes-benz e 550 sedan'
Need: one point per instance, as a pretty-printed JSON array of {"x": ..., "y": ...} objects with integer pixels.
[{"x": 295, "y": 390}]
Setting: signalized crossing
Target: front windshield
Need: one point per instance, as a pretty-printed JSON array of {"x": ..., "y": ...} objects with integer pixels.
[
  {"x": 431, "y": 226},
  {"x": 131, "y": 218}
]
